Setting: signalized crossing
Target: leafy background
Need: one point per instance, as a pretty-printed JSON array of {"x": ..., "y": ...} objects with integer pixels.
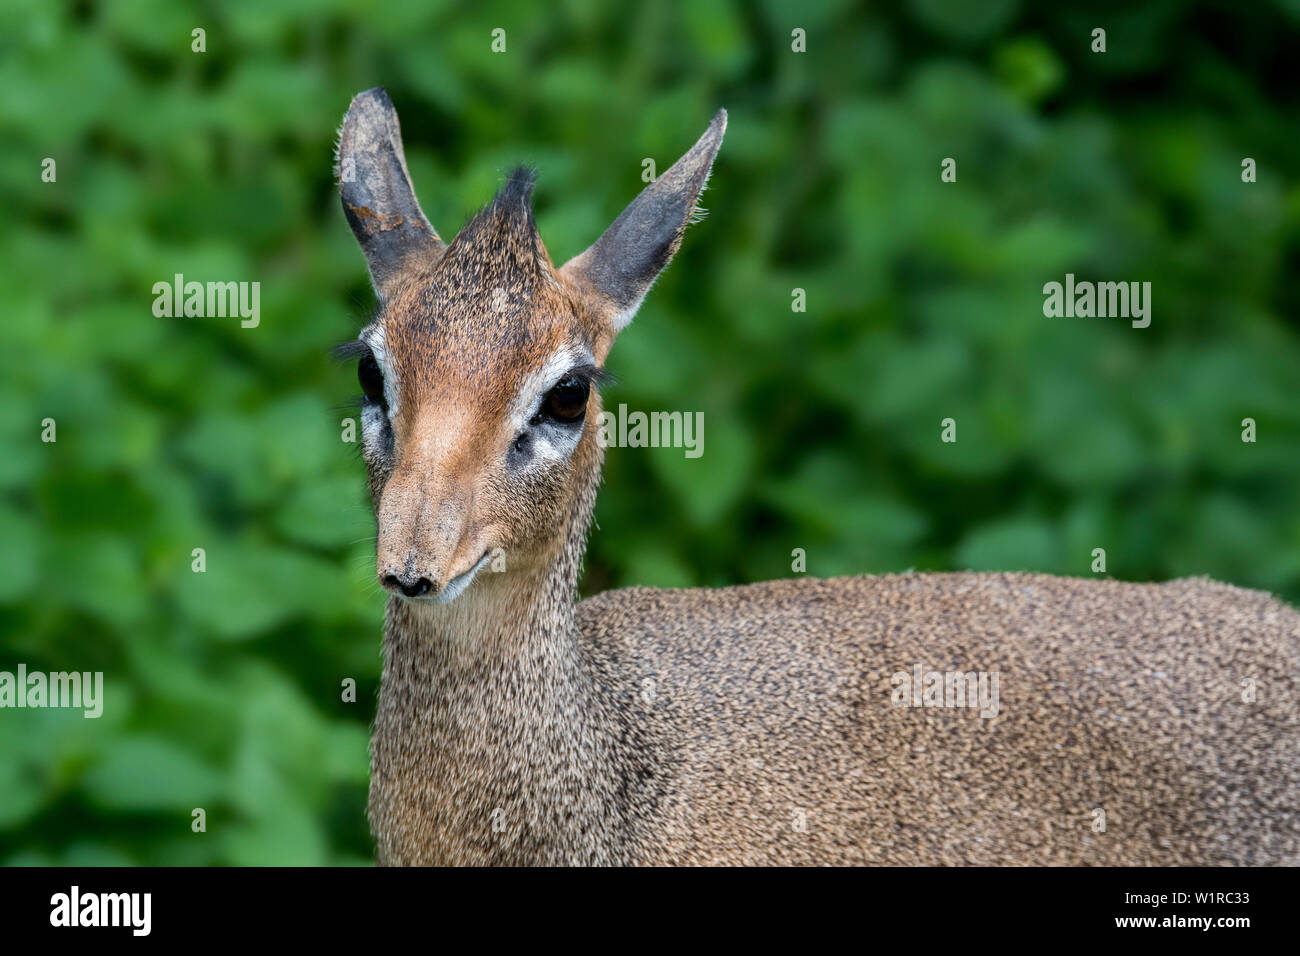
[{"x": 924, "y": 301}]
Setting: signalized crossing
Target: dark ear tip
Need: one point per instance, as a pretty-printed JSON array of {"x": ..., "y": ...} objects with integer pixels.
[
  {"x": 376, "y": 94},
  {"x": 373, "y": 103},
  {"x": 712, "y": 138}
]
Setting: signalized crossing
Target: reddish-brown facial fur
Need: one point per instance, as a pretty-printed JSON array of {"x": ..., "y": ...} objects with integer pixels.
[{"x": 463, "y": 336}]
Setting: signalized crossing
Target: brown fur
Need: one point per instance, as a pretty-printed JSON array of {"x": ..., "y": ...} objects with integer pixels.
[
  {"x": 463, "y": 334},
  {"x": 755, "y": 724},
  {"x": 773, "y": 701}
]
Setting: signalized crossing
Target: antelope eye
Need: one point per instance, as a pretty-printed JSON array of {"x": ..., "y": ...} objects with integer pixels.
[
  {"x": 372, "y": 380},
  {"x": 567, "y": 401}
]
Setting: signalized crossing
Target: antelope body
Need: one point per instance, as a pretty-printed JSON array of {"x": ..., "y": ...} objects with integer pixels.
[{"x": 755, "y": 724}]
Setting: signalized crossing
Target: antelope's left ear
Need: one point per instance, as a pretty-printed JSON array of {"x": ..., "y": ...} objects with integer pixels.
[
  {"x": 617, "y": 270},
  {"x": 378, "y": 198}
]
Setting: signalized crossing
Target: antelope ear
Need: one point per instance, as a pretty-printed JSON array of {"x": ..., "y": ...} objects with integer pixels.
[
  {"x": 616, "y": 271},
  {"x": 376, "y": 190}
]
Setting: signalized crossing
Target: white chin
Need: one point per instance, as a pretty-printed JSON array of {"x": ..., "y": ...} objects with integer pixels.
[{"x": 457, "y": 585}]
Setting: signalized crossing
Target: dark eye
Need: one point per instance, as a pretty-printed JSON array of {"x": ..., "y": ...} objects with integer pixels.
[
  {"x": 372, "y": 380},
  {"x": 567, "y": 402}
]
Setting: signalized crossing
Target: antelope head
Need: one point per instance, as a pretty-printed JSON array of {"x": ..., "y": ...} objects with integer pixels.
[{"x": 479, "y": 371}]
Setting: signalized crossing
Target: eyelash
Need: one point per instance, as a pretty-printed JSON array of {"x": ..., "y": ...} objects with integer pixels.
[{"x": 585, "y": 376}]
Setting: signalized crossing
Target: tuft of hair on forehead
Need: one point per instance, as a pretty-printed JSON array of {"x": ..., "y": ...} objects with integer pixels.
[
  {"x": 514, "y": 200},
  {"x": 505, "y": 228}
]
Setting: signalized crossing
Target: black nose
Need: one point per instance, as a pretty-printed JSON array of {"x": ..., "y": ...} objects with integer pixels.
[{"x": 409, "y": 588}]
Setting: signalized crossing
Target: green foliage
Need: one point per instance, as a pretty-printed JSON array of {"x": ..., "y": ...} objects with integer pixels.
[{"x": 821, "y": 427}]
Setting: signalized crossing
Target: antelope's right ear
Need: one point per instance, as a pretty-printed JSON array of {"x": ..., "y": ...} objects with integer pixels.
[
  {"x": 377, "y": 195},
  {"x": 618, "y": 269}
]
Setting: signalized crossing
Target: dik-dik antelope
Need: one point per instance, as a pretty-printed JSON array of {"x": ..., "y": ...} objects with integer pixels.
[{"x": 1137, "y": 723}]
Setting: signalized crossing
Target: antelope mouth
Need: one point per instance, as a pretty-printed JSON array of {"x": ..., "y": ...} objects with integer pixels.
[{"x": 457, "y": 585}]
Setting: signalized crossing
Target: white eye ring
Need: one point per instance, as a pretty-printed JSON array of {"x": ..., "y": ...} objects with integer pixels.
[{"x": 375, "y": 339}]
